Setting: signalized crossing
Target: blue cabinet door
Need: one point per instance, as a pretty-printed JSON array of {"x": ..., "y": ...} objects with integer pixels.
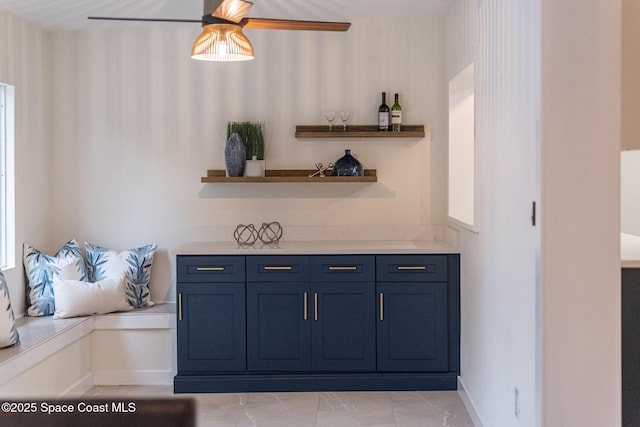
[
  {"x": 278, "y": 329},
  {"x": 412, "y": 327},
  {"x": 211, "y": 327},
  {"x": 343, "y": 326}
]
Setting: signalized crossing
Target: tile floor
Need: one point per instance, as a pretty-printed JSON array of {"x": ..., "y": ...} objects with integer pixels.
[{"x": 325, "y": 409}]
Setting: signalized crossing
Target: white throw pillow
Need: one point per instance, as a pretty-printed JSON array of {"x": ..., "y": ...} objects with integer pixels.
[
  {"x": 103, "y": 263},
  {"x": 40, "y": 268},
  {"x": 78, "y": 298},
  {"x": 8, "y": 332}
]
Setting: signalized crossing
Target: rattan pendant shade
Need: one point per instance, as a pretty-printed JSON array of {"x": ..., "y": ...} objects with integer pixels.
[{"x": 222, "y": 42}]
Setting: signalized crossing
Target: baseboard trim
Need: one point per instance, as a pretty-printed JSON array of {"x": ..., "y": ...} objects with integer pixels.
[
  {"x": 133, "y": 377},
  {"x": 80, "y": 387},
  {"x": 468, "y": 403}
]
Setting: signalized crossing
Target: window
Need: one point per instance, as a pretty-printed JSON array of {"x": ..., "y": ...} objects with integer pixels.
[
  {"x": 7, "y": 192},
  {"x": 462, "y": 153}
]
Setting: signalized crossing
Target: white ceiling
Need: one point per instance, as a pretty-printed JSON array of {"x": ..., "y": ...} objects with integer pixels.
[{"x": 72, "y": 14}]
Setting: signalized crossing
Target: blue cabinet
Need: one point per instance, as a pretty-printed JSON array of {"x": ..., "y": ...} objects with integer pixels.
[
  {"x": 278, "y": 331},
  {"x": 412, "y": 328},
  {"x": 630, "y": 347},
  {"x": 415, "y": 314},
  {"x": 211, "y": 314},
  {"x": 343, "y": 326},
  {"x": 311, "y": 313},
  {"x": 318, "y": 322}
]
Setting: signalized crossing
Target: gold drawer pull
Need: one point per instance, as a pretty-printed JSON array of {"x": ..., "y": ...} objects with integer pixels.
[
  {"x": 278, "y": 267},
  {"x": 381, "y": 306},
  {"x": 180, "y": 306},
  {"x": 412, "y": 267},
  {"x": 315, "y": 306},
  {"x": 209, "y": 268},
  {"x": 306, "y": 311},
  {"x": 342, "y": 268}
]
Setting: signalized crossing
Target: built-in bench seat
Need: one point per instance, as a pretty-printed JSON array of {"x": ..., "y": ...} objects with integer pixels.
[{"x": 59, "y": 357}]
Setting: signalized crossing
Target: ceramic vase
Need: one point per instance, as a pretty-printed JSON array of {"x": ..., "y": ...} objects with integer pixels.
[
  {"x": 254, "y": 167},
  {"x": 235, "y": 155},
  {"x": 347, "y": 165}
]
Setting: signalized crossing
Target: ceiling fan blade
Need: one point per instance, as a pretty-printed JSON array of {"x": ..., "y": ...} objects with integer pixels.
[
  {"x": 110, "y": 18},
  {"x": 232, "y": 10},
  {"x": 286, "y": 24}
]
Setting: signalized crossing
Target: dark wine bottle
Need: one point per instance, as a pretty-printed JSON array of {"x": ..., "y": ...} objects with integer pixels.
[
  {"x": 396, "y": 116},
  {"x": 383, "y": 114}
]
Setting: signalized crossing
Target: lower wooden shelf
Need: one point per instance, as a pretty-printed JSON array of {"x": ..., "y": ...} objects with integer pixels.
[{"x": 288, "y": 175}]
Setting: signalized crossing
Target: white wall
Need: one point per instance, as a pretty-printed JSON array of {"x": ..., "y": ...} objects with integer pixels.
[
  {"x": 547, "y": 94},
  {"x": 580, "y": 267},
  {"x": 24, "y": 64},
  {"x": 498, "y": 264},
  {"x": 136, "y": 123}
]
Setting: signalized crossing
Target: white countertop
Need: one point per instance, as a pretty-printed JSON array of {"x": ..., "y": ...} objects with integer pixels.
[
  {"x": 630, "y": 250},
  {"x": 320, "y": 247}
]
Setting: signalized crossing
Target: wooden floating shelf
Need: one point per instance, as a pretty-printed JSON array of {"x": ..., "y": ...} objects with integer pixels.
[
  {"x": 355, "y": 131},
  {"x": 288, "y": 175}
]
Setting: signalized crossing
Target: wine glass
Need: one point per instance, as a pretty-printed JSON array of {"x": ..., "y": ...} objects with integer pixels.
[
  {"x": 330, "y": 115},
  {"x": 344, "y": 116}
]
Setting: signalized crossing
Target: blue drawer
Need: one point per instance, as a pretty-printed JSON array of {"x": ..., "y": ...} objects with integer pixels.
[
  {"x": 411, "y": 268},
  {"x": 277, "y": 268},
  {"x": 194, "y": 268},
  {"x": 343, "y": 268}
]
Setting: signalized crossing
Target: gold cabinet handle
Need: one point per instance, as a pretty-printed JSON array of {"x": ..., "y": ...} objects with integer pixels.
[
  {"x": 381, "y": 306},
  {"x": 278, "y": 267},
  {"x": 209, "y": 268},
  {"x": 342, "y": 268},
  {"x": 180, "y": 306},
  {"x": 315, "y": 306},
  {"x": 412, "y": 267},
  {"x": 305, "y": 307}
]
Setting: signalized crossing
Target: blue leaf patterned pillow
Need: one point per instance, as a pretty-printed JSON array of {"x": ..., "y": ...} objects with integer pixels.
[
  {"x": 104, "y": 263},
  {"x": 8, "y": 332},
  {"x": 40, "y": 268}
]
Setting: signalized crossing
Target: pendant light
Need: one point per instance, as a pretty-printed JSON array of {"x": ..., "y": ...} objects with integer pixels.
[{"x": 222, "y": 42}]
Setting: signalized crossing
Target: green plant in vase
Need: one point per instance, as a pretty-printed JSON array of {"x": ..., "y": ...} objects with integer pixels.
[{"x": 252, "y": 135}]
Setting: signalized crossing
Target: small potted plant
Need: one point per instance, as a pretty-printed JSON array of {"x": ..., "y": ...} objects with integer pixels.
[{"x": 252, "y": 135}]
